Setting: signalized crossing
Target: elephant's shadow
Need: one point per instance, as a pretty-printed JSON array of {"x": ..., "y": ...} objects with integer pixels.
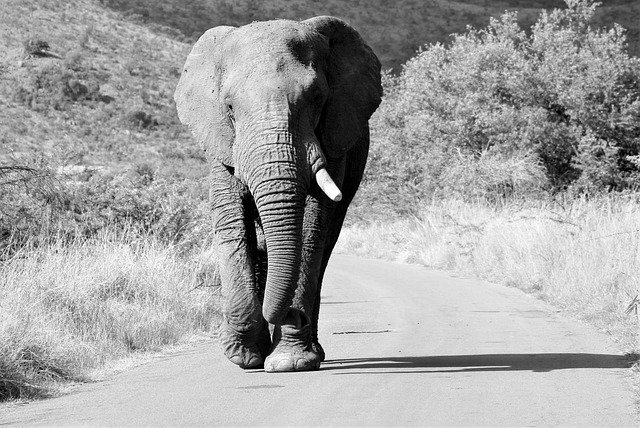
[{"x": 538, "y": 362}]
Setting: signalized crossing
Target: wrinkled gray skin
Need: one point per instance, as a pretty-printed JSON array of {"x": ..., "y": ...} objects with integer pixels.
[{"x": 273, "y": 103}]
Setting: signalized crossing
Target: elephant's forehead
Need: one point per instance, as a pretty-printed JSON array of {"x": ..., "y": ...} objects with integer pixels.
[
  {"x": 276, "y": 31},
  {"x": 275, "y": 40}
]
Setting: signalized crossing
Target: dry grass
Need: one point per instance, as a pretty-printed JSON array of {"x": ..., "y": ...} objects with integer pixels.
[
  {"x": 582, "y": 256},
  {"x": 67, "y": 310},
  {"x": 71, "y": 309}
]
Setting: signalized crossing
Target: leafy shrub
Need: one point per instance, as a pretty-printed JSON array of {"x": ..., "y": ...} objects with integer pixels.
[
  {"x": 559, "y": 107},
  {"x": 35, "y": 47},
  {"x": 57, "y": 85},
  {"x": 27, "y": 193},
  {"x": 142, "y": 120},
  {"x": 39, "y": 202}
]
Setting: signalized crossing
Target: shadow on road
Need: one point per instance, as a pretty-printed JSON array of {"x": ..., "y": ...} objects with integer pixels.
[{"x": 480, "y": 363}]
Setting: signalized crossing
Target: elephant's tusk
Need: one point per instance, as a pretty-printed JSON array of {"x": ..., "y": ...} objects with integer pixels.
[{"x": 328, "y": 186}]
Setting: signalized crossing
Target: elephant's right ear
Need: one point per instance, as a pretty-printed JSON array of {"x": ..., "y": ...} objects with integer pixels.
[{"x": 197, "y": 97}]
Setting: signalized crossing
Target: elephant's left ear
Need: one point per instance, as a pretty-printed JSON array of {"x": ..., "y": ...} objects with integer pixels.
[{"x": 353, "y": 74}]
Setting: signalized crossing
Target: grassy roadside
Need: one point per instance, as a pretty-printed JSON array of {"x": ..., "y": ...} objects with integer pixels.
[
  {"x": 70, "y": 309},
  {"x": 580, "y": 255}
]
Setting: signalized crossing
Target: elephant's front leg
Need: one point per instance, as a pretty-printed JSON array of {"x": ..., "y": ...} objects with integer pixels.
[
  {"x": 318, "y": 213},
  {"x": 244, "y": 334},
  {"x": 295, "y": 343}
]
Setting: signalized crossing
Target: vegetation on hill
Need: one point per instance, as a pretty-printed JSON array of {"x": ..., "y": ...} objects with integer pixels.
[
  {"x": 395, "y": 29},
  {"x": 90, "y": 136}
]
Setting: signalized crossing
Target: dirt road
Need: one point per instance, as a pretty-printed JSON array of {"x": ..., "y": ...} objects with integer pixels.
[{"x": 405, "y": 346}]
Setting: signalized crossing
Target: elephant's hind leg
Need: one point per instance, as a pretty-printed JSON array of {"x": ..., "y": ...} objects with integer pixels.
[{"x": 244, "y": 334}]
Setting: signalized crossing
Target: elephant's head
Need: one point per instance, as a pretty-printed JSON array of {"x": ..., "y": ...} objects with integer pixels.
[{"x": 273, "y": 101}]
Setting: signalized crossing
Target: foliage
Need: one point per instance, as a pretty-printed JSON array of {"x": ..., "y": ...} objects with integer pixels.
[
  {"x": 89, "y": 138},
  {"x": 36, "y": 48},
  {"x": 394, "y": 34},
  {"x": 39, "y": 203},
  {"x": 555, "y": 108},
  {"x": 57, "y": 85}
]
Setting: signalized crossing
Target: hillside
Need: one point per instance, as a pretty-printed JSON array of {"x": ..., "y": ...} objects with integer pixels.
[
  {"x": 95, "y": 120},
  {"x": 108, "y": 99},
  {"x": 104, "y": 96},
  {"x": 394, "y": 29}
]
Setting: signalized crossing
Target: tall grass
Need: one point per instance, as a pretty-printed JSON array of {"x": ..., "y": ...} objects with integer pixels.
[
  {"x": 581, "y": 255},
  {"x": 67, "y": 309}
]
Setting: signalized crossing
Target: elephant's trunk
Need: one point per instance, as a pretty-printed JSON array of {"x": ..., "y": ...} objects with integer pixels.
[
  {"x": 278, "y": 184},
  {"x": 282, "y": 223}
]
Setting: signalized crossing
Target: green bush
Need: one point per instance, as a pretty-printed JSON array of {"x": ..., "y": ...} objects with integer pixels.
[{"x": 501, "y": 111}]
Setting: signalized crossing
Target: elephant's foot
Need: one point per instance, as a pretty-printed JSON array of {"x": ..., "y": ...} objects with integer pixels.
[
  {"x": 293, "y": 350},
  {"x": 246, "y": 348}
]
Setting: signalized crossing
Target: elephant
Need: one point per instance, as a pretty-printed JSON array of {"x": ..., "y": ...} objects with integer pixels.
[{"x": 282, "y": 110}]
